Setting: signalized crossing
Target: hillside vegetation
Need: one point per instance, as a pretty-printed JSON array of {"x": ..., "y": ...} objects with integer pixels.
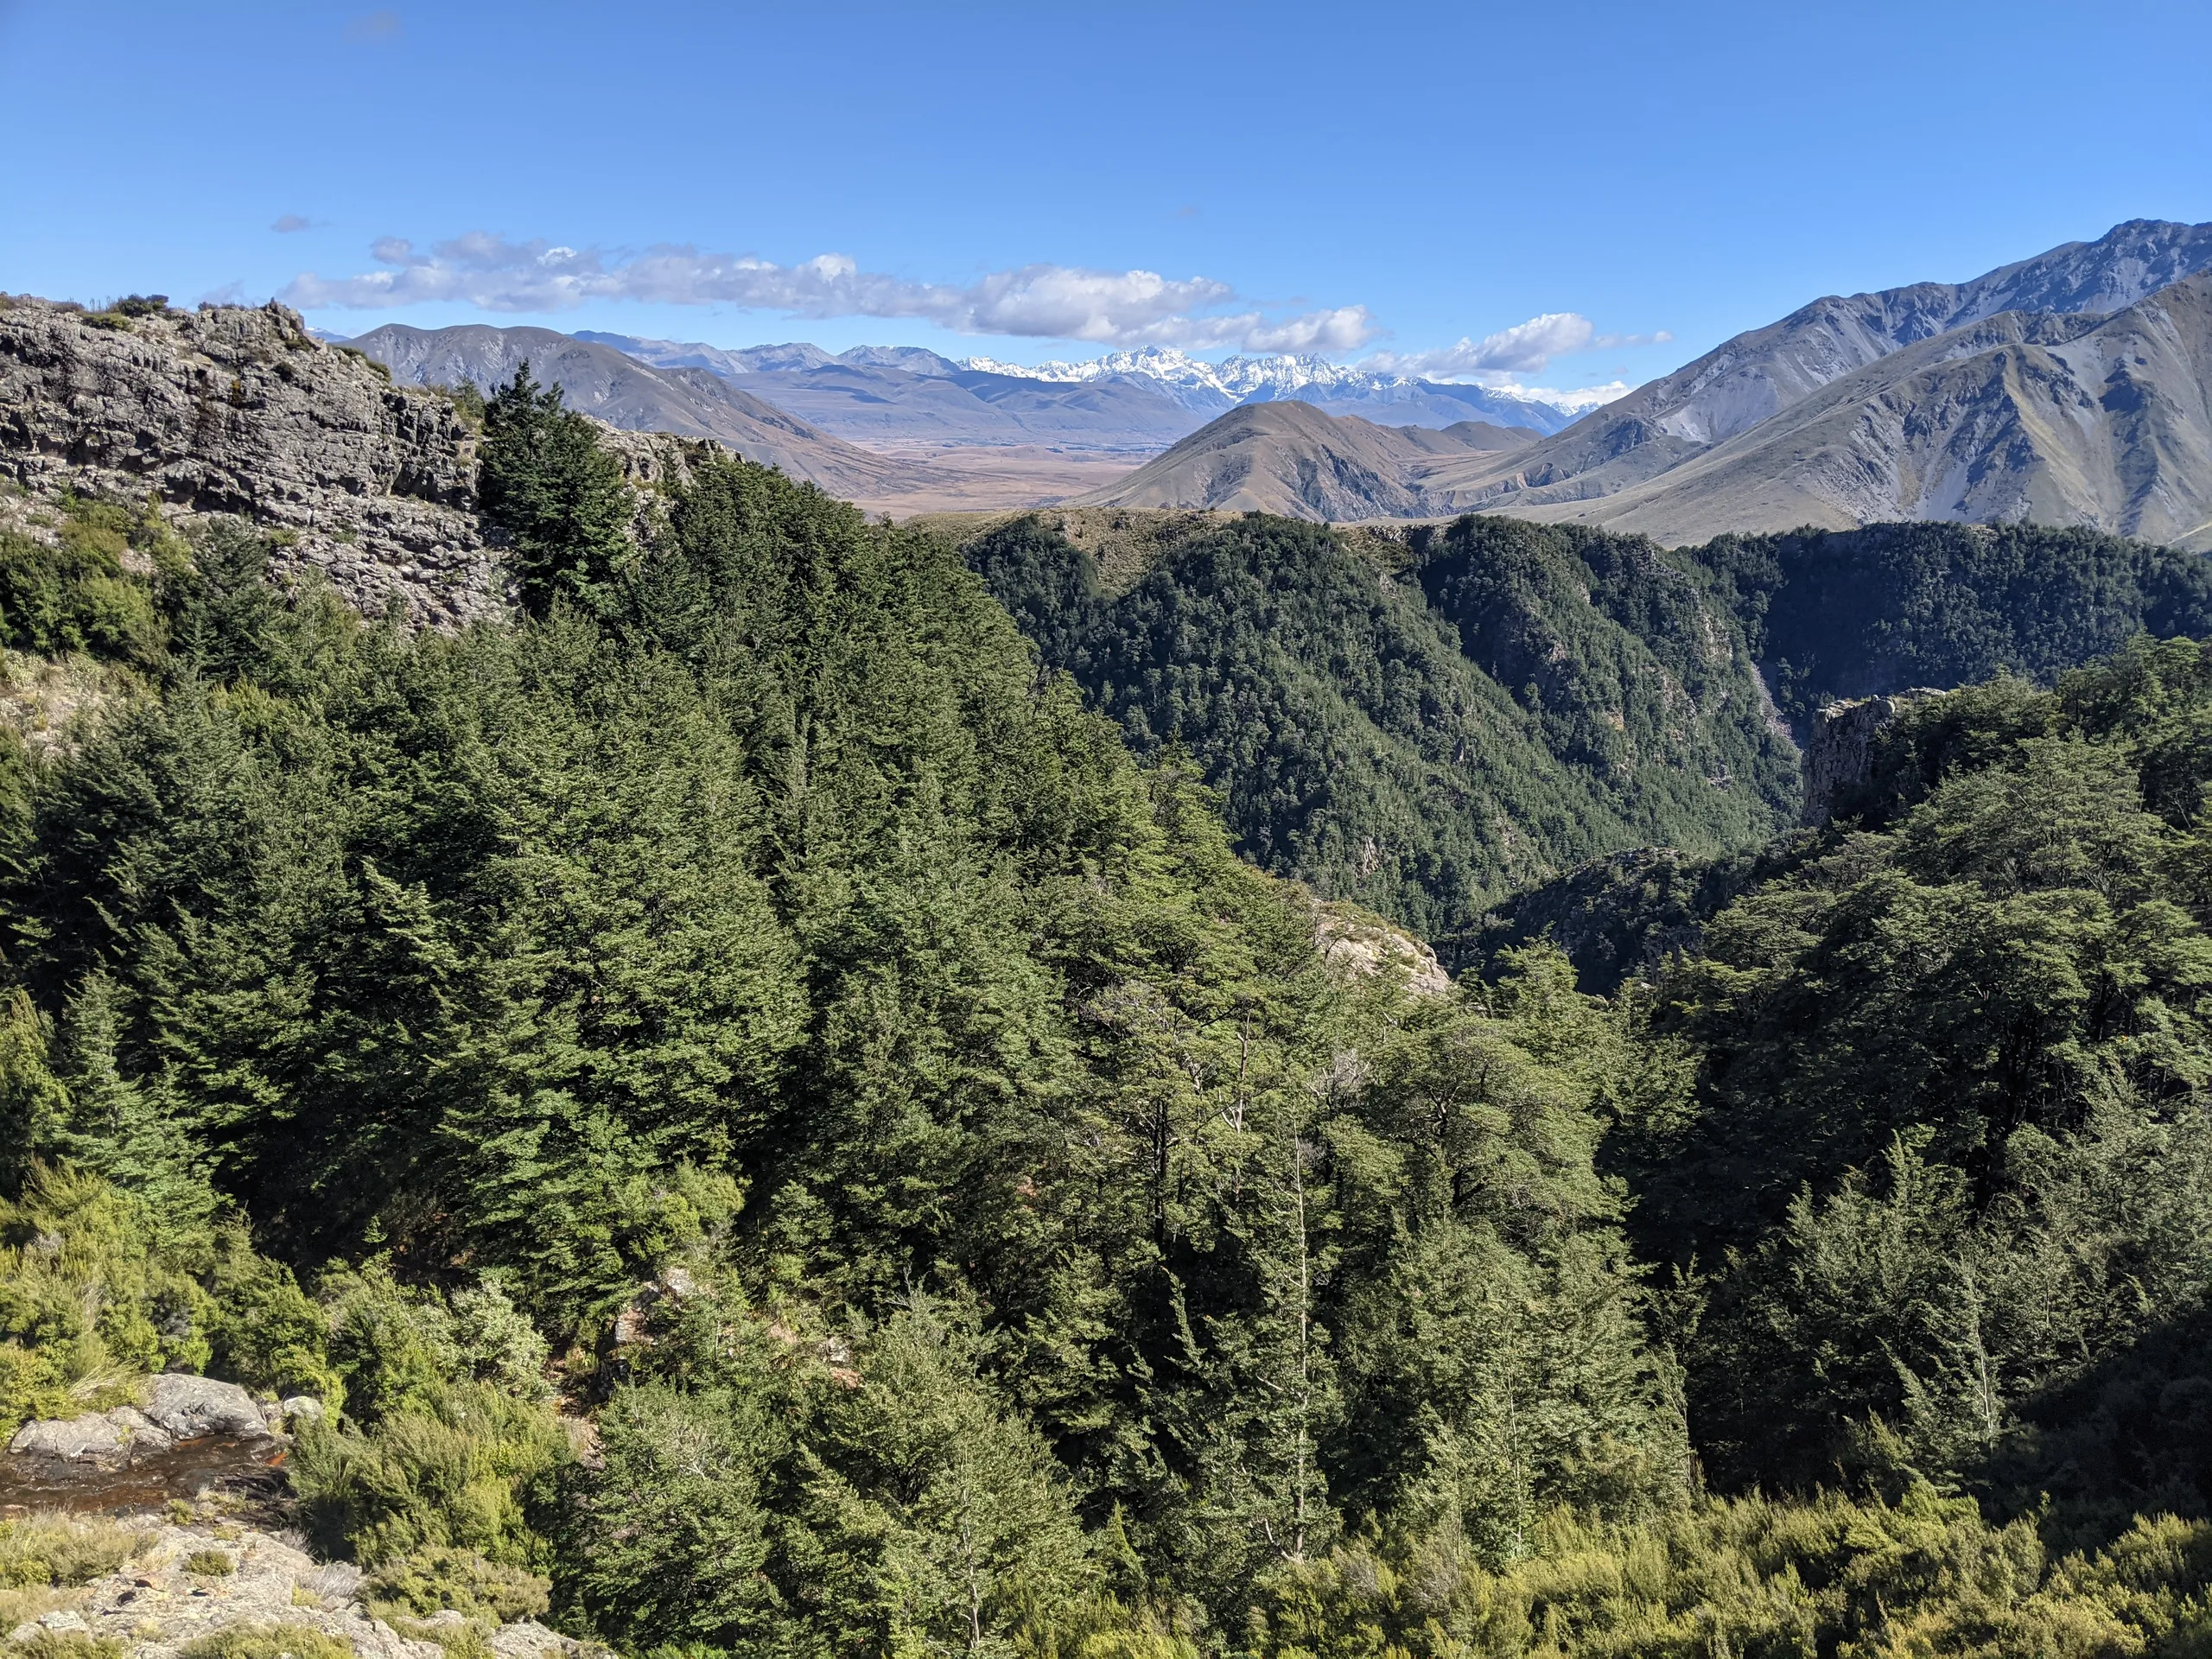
[
  {"x": 1426, "y": 727},
  {"x": 739, "y": 998},
  {"x": 1422, "y": 738}
]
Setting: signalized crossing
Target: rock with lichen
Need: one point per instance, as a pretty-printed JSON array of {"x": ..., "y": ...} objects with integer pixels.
[{"x": 240, "y": 411}]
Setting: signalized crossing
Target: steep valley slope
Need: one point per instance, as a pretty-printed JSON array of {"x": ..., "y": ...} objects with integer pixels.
[
  {"x": 1293, "y": 459},
  {"x": 2062, "y": 419},
  {"x": 2072, "y": 388},
  {"x": 1757, "y": 375},
  {"x": 1425, "y": 721}
]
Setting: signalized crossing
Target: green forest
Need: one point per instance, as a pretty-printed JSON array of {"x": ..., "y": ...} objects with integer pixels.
[
  {"x": 763, "y": 1099},
  {"x": 1429, "y": 727}
]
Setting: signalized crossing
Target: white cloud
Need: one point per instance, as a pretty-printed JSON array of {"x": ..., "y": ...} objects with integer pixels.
[
  {"x": 1120, "y": 309},
  {"x": 287, "y": 224},
  {"x": 1577, "y": 400},
  {"x": 1525, "y": 348}
]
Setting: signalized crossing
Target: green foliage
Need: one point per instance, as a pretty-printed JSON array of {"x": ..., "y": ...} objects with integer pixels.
[
  {"x": 1924, "y": 1575},
  {"x": 66, "y": 1645},
  {"x": 212, "y": 1563},
  {"x": 1424, "y": 737},
  {"x": 448, "y": 1468},
  {"x": 266, "y": 1641},
  {"x": 267, "y": 1333},
  {"x": 1845, "y": 614},
  {"x": 1618, "y": 917},
  {"x": 87, "y": 1298},
  {"x": 85, "y": 591},
  {"x": 977, "y": 1210},
  {"x": 545, "y": 480},
  {"x": 468, "y": 401},
  {"x": 1424, "y": 731},
  {"x": 42, "y": 1550},
  {"x": 1945, "y": 1163},
  {"x": 429, "y": 1579},
  {"x": 902, "y": 1509}
]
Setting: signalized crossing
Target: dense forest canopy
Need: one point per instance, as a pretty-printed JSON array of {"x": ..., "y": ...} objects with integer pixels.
[
  {"x": 1427, "y": 727},
  {"x": 751, "y": 1000}
]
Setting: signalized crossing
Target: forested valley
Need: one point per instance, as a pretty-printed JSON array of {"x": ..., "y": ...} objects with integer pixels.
[
  {"x": 1428, "y": 721},
  {"x": 767, "y": 1104}
]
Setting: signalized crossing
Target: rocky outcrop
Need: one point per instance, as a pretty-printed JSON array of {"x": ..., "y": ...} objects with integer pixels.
[
  {"x": 184, "y": 1408},
  {"x": 241, "y": 411},
  {"x": 184, "y": 1583},
  {"x": 1841, "y": 757},
  {"x": 1360, "y": 945},
  {"x": 177, "y": 1408}
]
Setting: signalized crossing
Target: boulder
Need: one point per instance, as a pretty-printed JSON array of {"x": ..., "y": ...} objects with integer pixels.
[
  {"x": 189, "y": 1406},
  {"x": 142, "y": 1431},
  {"x": 530, "y": 1640},
  {"x": 92, "y": 1438}
]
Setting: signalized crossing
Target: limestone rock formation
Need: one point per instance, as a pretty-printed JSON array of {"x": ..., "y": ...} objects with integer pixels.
[
  {"x": 237, "y": 410},
  {"x": 184, "y": 1408},
  {"x": 177, "y": 1409}
]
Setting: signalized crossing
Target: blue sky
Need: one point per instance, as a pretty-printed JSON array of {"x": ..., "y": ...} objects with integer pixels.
[{"x": 1555, "y": 185}]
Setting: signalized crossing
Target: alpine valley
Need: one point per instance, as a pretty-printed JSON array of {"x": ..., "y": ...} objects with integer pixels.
[{"x": 702, "y": 1003}]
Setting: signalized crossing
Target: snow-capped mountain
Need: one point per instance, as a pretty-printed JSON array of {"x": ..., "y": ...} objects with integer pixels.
[
  {"x": 1212, "y": 387},
  {"x": 1139, "y": 401},
  {"x": 1219, "y": 385}
]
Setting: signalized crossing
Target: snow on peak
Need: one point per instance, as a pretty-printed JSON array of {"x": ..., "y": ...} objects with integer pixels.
[
  {"x": 1244, "y": 379},
  {"x": 1234, "y": 379}
]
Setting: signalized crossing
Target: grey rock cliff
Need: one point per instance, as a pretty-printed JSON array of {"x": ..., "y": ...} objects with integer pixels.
[
  {"x": 1841, "y": 757},
  {"x": 240, "y": 411}
]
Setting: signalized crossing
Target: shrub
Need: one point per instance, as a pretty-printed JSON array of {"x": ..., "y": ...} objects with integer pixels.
[
  {"x": 269, "y": 1642},
  {"x": 429, "y": 1579},
  {"x": 212, "y": 1563},
  {"x": 267, "y": 1333},
  {"x": 451, "y": 1467},
  {"x": 58, "y": 1550},
  {"x": 85, "y": 1292},
  {"x": 78, "y": 594},
  {"x": 69, "y": 1645}
]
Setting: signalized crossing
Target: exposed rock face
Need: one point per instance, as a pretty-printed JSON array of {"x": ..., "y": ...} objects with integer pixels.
[
  {"x": 97, "y": 1437},
  {"x": 178, "y": 1410},
  {"x": 241, "y": 411},
  {"x": 1841, "y": 757},
  {"x": 187, "y": 1407},
  {"x": 1362, "y": 945},
  {"x": 157, "y": 1603}
]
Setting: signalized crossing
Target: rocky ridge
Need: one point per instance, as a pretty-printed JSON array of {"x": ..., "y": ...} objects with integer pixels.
[
  {"x": 240, "y": 411},
  {"x": 185, "y": 1583}
]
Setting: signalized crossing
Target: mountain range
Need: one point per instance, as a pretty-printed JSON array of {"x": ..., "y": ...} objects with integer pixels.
[
  {"x": 692, "y": 402},
  {"x": 1293, "y": 458},
  {"x": 895, "y": 398},
  {"x": 2071, "y": 388}
]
